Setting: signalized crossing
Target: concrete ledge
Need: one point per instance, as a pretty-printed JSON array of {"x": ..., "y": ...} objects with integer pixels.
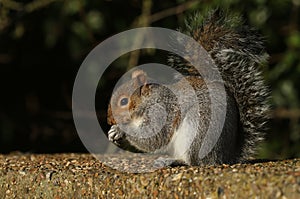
[{"x": 82, "y": 176}]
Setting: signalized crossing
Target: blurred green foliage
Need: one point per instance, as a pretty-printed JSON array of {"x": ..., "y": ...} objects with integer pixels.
[{"x": 43, "y": 42}]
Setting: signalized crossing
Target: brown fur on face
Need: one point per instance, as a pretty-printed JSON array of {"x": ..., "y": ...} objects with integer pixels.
[{"x": 136, "y": 86}]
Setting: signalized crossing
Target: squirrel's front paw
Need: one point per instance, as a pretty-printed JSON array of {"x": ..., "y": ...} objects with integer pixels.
[{"x": 115, "y": 135}]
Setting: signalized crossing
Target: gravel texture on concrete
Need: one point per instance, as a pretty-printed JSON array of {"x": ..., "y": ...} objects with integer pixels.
[{"x": 83, "y": 176}]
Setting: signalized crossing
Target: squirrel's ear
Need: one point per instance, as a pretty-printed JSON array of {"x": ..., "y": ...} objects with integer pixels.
[{"x": 140, "y": 77}]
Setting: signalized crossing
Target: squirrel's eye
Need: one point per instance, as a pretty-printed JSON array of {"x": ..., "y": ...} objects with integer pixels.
[{"x": 124, "y": 101}]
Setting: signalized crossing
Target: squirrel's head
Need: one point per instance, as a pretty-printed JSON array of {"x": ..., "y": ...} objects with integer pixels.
[{"x": 126, "y": 98}]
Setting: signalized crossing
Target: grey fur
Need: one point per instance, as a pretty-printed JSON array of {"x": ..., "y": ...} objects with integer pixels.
[{"x": 239, "y": 54}]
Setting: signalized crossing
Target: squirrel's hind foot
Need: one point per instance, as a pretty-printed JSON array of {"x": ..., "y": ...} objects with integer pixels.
[{"x": 168, "y": 162}]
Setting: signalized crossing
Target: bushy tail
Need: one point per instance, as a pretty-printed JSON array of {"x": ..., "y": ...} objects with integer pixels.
[{"x": 238, "y": 51}]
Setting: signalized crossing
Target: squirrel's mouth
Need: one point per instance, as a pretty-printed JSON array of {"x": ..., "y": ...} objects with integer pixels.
[{"x": 137, "y": 122}]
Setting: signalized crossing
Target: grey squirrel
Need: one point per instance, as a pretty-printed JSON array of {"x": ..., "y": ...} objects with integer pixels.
[{"x": 238, "y": 52}]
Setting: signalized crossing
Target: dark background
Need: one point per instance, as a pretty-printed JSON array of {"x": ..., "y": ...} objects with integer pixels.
[{"x": 43, "y": 43}]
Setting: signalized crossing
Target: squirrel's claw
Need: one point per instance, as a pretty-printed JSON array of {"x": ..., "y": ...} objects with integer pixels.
[{"x": 115, "y": 134}]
